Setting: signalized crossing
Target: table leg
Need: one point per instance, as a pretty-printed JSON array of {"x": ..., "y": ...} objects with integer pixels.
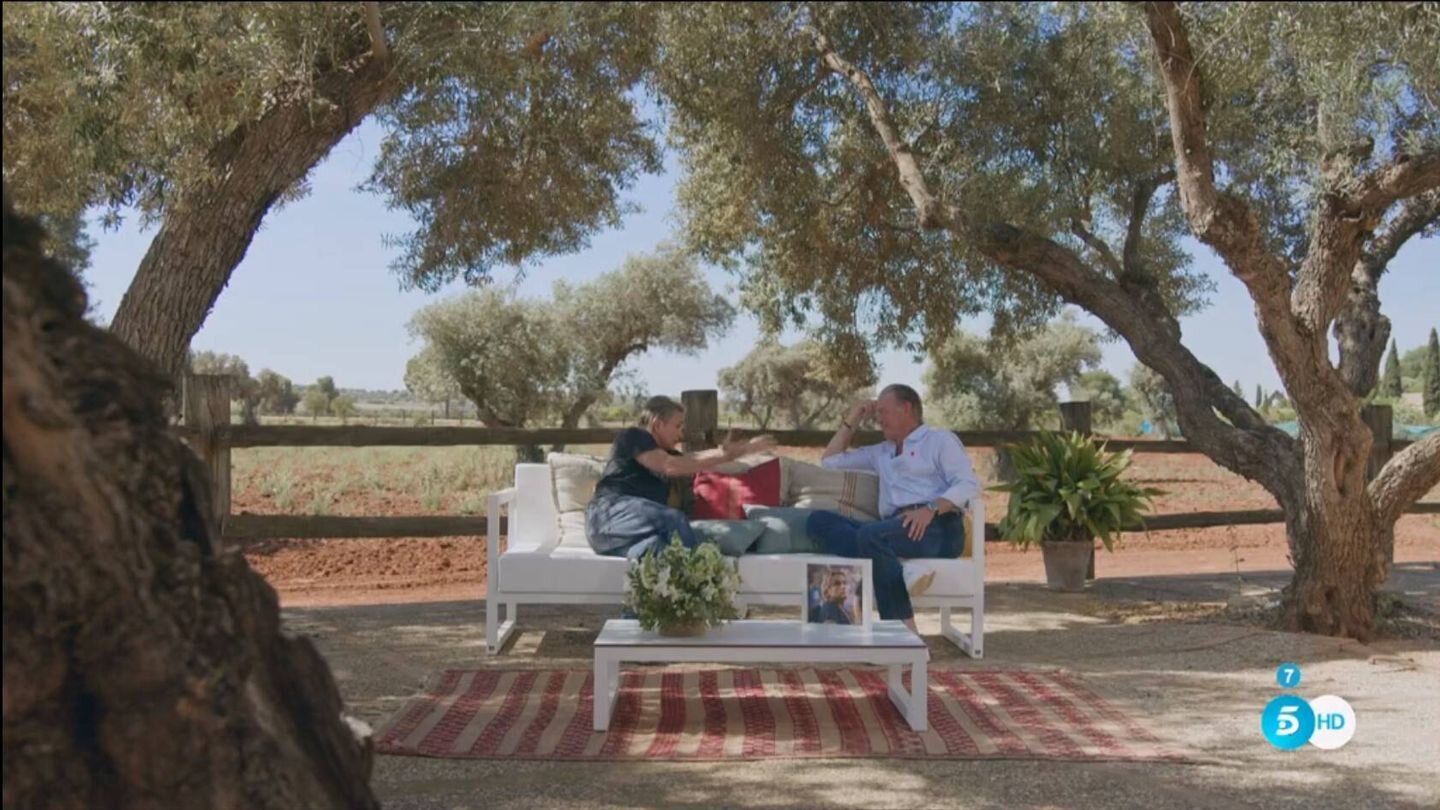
[
  {"x": 918, "y": 710},
  {"x": 607, "y": 685}
]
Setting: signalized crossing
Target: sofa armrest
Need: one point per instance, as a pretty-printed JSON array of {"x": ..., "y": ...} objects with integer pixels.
[
  {"x": 493, "y": 502},
  {"x": 975, "y": 533}
]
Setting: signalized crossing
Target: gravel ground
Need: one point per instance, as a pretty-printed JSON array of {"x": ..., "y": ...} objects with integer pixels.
[{"x": 1166, "y": 650}]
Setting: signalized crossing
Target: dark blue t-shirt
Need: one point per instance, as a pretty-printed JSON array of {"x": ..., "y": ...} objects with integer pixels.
[{"x": 625, "y": 476}]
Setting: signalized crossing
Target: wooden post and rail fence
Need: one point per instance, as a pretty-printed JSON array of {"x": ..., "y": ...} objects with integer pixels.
[{"x": 208, "y": 429}]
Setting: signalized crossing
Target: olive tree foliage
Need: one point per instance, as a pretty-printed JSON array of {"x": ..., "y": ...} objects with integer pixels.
[
  {"x": 978, "y": 384},
  {"x": 246, "y": 389},
  {"x": 892, "y": 168},
  {"x": 528, "y": 362},
  {"x": 425, "y": 377},
  {"x": 1107, "y": 398},
  {"x": 797, "y": 384},
  {"x": 809, "y": 207},
  {"x": 1152, "y": 395},
  {"x": 277, "y": 392},
  {"x": 511, "y": 129}
]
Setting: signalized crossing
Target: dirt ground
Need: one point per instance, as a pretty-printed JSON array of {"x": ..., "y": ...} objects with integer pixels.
[{"x": 1164, "y": 650}]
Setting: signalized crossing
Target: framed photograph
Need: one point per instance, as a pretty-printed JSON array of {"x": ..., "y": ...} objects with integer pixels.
[{"x": 838, "y": 590}]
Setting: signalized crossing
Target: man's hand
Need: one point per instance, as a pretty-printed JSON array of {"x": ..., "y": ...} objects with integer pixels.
[
  {"x": 860, "y": 412},
  {"x": 916, "y": 521}
]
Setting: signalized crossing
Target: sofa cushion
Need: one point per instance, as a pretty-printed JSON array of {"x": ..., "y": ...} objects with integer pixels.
[
  {"x": 723, "y": 496},
  {"x": 573, "y": 479},
  {"x": 785, "y": 531},
  {"x": 734, "y": 537},
  {"x": 853, "y": 494},
  {"x": 572, "y": 530},
  {"x": 564, "y": 569}
]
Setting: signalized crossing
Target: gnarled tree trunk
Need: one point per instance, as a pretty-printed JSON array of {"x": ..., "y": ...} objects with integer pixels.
[
  {"x": 209, "y": 228},
  {"x": 1336, "y": 538},
  {"x": 143, "y": 666}
]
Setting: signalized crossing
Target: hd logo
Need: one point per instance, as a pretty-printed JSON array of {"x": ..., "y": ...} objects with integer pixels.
[{"x": 1289, "y": 722}]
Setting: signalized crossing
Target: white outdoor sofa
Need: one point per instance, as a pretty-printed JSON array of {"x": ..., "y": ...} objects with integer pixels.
[{"x": 547, "y": 560}]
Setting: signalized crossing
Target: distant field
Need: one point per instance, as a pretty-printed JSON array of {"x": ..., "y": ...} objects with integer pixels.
[{"x": 455, "y": 480}]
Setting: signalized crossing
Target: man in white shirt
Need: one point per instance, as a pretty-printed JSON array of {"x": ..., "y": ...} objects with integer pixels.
[{"x": 925, "y": 477}]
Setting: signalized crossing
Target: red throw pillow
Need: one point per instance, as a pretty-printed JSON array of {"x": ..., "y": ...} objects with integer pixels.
[{"x": 722, "y": 496}]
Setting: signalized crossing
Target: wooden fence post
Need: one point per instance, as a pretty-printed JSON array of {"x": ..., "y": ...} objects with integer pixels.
[
  {"x": 1075, "y": 416},
  {"x": 702, "y": 419},
  {"x": 206, "y": 409},
  {"x": 1380, "y": 420}
]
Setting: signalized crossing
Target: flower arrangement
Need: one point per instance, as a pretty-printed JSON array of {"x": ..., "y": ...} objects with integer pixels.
[{"x": 680, "y": 591}]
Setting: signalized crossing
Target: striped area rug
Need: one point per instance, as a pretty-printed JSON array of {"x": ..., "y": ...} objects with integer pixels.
[{"x": 718, "y": 714}]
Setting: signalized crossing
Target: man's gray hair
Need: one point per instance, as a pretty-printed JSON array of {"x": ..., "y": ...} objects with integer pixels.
[
  {"x": 659, "y": 407},
  {"x": 908, "y": 395}
]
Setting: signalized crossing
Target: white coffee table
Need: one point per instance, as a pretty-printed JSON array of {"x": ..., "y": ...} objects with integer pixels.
[{"x": 885, "y": 642}]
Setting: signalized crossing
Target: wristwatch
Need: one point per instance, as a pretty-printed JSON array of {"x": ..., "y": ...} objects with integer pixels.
[{"x": 934, "y": 506}]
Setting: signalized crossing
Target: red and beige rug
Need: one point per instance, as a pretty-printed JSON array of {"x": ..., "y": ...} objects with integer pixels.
[{"x": 719, "y": 714}]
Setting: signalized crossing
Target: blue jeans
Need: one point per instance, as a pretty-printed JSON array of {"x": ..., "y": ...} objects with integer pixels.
[
  {"x": 885, "y": 543},
  {"x": 627, "y": 526}
]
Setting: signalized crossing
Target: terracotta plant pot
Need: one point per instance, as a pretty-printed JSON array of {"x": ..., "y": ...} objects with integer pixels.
[
  {"x": 689, "y": 630},
  {"x": 1066, "y": 563}
]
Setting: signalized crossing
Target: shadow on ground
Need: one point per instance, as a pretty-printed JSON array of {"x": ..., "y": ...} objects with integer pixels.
[{"x": 1200, "y": 684}]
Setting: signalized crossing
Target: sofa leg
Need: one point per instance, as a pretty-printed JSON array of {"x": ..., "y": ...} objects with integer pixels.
[
  {"x": 969, "y": 643},
  {"x": 496, "y": 630},
  {"x": 977, "y": 631}
]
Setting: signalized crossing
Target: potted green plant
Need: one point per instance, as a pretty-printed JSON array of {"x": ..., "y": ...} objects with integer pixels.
[
  {"x": 682, "y": 592},
  {"x": 1068, "y": 491}
]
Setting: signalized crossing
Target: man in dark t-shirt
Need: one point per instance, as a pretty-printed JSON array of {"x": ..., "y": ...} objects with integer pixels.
[{"x": 629, "y": 516}]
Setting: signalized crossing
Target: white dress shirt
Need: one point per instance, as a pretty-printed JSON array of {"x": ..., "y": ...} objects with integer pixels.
[{"x": 931, "y": 464}]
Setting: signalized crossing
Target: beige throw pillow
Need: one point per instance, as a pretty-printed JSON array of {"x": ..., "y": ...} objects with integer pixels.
[
  {"x": 853, "y": 494},
  {"x": 573, "y": 479}
]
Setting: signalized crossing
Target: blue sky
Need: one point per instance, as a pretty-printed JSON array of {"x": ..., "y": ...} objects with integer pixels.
[{"x": 315, "y": 296}]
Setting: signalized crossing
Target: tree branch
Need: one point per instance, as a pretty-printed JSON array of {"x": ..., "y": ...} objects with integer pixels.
[
  {"x": 1413, "y": 472},
  {"x": 1416, "y": 214},
  {"x": 1345, "y": 220},
  {"x": 1226, "y": 223},
  {"x": 1247, "y": 445},
  {"x": 930, "y": 212},
  {"x": 1095, "y": 243},
  {"x": 1139, "y": 206},
  {"x": 1407, "y": 176},
  {"x": 378, "y": 48},
  {"x": 1361, "y": 331}
]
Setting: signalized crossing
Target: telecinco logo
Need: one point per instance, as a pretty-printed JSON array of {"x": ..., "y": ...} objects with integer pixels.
[{"x": 1289, "y": 722}]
